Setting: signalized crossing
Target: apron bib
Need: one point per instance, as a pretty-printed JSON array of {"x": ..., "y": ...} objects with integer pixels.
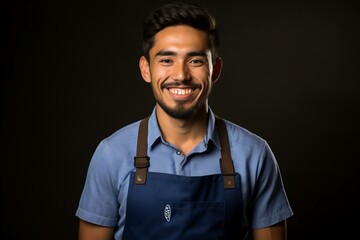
[{"x": 166, "y": 206}]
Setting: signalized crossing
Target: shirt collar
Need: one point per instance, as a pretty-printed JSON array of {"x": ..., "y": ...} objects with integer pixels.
[{"x": 154, "y": 133}]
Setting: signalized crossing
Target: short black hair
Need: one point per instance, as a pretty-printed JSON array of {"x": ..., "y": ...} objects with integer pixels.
[{"x": 180, "y": 13}]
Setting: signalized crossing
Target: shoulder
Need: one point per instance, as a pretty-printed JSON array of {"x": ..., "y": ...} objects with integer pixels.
[
  {"x": 249, "y": 151},
  {"x": 118, "y": 146},
  {"x": 240, "y": 136},
  {"x": 113, "y": 157},
  {"x": 252, "y": 157}
]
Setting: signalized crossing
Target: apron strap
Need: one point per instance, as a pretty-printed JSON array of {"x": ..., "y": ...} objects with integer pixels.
[
  {"x": 142, "y": 161},
  {"x": 226, "y": 163}
]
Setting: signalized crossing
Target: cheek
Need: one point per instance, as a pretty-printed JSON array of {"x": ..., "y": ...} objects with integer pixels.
[
  {"x": 207, "y": 85},
  {"x": 202, "y": 73},
  {"x": 158, "y": 74}
]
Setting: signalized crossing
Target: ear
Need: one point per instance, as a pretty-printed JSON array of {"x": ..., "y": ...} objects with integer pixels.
[
  {"x": 217, "y": 69},
  {"x": 144, "y": 69}
]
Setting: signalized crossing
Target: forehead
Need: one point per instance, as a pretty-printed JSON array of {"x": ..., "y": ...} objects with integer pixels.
[{"x": 180, "y": 39}]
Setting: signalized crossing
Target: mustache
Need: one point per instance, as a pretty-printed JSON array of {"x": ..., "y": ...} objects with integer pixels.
[{"x": 180, "y": 84}]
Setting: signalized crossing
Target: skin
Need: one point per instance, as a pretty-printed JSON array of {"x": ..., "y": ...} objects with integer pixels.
[
  {"x": 181, "y": 56},
  {"x": 181, "y": 73},
  {"x": 274, "y": 232},
  {"x": 89, "y": 231}
]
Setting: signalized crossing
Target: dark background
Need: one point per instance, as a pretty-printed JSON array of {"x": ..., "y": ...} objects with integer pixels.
[{"x": 70, "y": 78}]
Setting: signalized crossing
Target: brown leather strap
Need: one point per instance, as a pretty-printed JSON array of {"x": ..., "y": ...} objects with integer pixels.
[
  {"x": 226, "y": 163},
  {"x": 141, "y": 160}
]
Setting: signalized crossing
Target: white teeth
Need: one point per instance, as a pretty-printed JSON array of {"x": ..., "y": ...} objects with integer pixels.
[{"x": 179, "y": 91}]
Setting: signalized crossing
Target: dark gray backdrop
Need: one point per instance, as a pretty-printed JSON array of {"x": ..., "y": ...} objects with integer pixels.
[{"x": 71, "y": 78}]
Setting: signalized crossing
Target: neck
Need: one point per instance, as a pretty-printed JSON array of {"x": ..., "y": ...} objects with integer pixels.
[{"x": 183, "y": 133}]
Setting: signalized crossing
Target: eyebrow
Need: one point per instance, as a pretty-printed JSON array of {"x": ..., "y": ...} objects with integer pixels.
[{"x": 189, "y": 54}]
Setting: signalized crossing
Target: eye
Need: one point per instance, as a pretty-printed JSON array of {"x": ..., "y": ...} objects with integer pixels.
[
  {"x": 197, "y": 62},
  {"x": 166, "y": 61}
]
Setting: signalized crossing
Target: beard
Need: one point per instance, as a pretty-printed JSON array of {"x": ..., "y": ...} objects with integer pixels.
[{"x": 180, "y": 111}]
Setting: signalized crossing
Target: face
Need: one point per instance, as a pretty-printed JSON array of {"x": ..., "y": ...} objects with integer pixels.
[{"x": 180, "y": 71}]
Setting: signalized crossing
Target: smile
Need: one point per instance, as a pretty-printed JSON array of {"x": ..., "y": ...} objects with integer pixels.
[{"x": 181, "y": 91}]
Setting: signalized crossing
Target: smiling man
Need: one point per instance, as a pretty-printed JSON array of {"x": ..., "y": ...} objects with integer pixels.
[
  {"x": 180, "y": 70},
  {"x": 183, "y": 172}
]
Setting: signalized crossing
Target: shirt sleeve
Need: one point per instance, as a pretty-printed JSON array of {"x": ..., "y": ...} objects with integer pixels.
[
  {"x": 98, "y": 202},
  {"x": 269, "y": 203}
]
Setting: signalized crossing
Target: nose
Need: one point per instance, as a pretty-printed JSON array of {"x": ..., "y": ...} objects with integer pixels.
[{"x": 180, "y": 71}]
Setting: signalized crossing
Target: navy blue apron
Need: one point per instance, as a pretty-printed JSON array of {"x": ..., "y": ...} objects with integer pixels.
[{"x": 166, "y": 206}]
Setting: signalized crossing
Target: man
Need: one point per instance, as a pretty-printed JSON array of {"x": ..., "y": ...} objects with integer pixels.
[{"x": 183, "y": 173}]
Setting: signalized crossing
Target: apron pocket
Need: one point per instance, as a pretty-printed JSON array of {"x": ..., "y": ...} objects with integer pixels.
[{"x": 193, "y": 220}]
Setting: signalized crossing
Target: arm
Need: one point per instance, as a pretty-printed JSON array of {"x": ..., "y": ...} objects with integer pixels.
[
  {"x": 89, "y": 231},
  {"x": 274, "y": 232}
]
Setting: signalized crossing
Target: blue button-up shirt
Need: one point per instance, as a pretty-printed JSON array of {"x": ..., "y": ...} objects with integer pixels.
[{"x": 103, "y": 200}]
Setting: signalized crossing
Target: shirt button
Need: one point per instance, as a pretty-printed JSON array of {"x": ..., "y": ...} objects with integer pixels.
[{"x": 178, "y": 152}]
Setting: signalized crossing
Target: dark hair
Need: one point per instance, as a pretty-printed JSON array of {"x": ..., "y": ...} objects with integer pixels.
[{"x": 179, "y": 13}]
